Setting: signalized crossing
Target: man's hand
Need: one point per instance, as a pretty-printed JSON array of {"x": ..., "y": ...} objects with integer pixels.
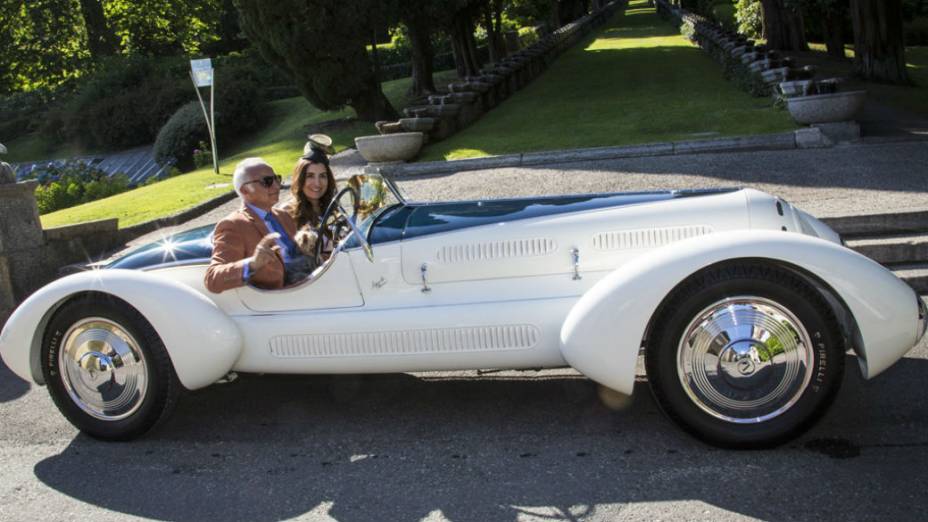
[{"x": 266, "y": 251}]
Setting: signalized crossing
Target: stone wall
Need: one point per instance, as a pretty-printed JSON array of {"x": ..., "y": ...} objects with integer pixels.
[{"x": 31, "y": 257}]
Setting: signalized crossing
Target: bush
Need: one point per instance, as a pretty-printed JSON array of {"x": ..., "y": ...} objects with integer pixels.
[
  {"x": 237, "y": 113},
  {"x": 75, "y": 183},
  {"x": 750, "y": 18},
  {"x": 202, "y": 155},
  {"x": 180, "y": 135},
  {"x": 122, "y": 104}
]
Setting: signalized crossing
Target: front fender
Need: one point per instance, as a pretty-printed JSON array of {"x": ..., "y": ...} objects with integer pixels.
[
  {"x": 202, "y": 341},
  {"x": 602, "y": 334}
]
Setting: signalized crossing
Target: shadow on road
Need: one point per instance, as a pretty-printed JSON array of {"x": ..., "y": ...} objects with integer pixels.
[
  {"x": 11, "y": 386},
  {"x": 403, "y": 447}
]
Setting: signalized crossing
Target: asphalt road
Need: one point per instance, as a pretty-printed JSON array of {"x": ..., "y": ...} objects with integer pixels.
[{"x": 461, "y": 446}]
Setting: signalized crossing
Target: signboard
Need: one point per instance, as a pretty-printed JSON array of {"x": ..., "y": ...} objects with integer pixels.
[{"x": 202, "y": 72}]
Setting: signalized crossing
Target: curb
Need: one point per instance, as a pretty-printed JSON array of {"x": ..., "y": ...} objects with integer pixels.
[{"x": 799, "y": 139}]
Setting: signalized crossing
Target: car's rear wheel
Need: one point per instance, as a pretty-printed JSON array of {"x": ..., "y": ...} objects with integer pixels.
[
  {"x": 745, "y": 356},
  {"x": 106, "y": 368}
]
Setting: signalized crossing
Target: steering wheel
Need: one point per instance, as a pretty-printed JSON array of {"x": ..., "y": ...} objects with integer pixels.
[{"x": 341, "y": 219}]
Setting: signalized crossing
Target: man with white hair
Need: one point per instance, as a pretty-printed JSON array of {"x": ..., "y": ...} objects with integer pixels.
[{"x": 252, "y": 244}]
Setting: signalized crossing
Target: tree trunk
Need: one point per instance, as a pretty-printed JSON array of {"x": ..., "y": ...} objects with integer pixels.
[
  {"x": 833, "y": 31},
  {"x": 555, "y": 7},
  {"x": 879, "y": 49},
  {"x": 422, "y": 56},
  {"x": 100, "y": 38},
  {"x": 495, "y": 43},
  {"x": 372, "y": 105},
  {"x": 462, "y": 43},
  {"x": 783, "y": 26}
]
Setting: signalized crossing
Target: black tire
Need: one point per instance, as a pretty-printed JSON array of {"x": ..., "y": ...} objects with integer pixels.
[
  {"x": 149, "y": 406},
  {"x": 740, "y": 288}
]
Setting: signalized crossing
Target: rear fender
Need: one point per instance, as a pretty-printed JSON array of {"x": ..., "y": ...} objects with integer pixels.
[
  {"x": 202, "y": 341},
  {"x": 602, "y": 334}
]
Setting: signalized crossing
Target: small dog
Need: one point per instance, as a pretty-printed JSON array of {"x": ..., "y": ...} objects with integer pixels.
[
  {"x": 300, "y": 268},
  {"x": 306, "y": 238}
]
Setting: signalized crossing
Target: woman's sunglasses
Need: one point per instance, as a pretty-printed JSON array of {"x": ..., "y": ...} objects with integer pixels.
[{"x": 266, "y": 181}]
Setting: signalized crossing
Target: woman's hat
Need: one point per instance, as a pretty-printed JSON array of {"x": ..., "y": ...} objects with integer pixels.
[{"x": 317, "y": 148}]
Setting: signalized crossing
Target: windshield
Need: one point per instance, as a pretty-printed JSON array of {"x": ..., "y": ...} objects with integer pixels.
[{"x": 376, "y": 194}]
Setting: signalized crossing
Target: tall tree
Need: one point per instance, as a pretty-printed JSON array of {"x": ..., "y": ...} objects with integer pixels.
[
  {"x": 423, "y": 54},
  {"x": 44, "y": 44},
  {"x": 322, "y": 44},
  {"x": 101, "y": 40},
  {"x": 879, "y": 48},
  {"x": 493, "y": 22},
  {"x": 783, "y": 26}
]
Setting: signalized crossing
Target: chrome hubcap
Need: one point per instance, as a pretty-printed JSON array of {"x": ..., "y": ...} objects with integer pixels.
[
  {"x": 103, "y": 369},
  {"x": 745, "y": 359}
]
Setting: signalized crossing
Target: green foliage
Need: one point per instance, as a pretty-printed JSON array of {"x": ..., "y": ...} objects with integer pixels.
[
  {"x": 75, "y": 183},
  {"x": 179, "y": 137},
  {"x": 750, "y": 17},
  {"x": 42, "y": 44},
  {"x": 122, "y": 105},
  {"x": 529, "y": 12},
  {"x": 322, "y": 44},
  {"x": 20, "y": 112},
  {"x": 724, "y": 13},
  {"x": 202, "y": 155},
  {"x": 688, "y": 30},
  {"x": 528, "y": 36}
]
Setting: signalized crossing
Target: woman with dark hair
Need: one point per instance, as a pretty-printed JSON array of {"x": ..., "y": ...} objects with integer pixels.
[{"x": 313, "y": 187}]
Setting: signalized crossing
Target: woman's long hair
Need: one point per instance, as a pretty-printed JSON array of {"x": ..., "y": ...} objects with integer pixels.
[{"x": 302, "y": 210}]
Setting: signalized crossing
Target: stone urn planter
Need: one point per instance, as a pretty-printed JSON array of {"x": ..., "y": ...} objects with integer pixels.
[
  {"x": 389, "y": 148},
  {"x": 826, "y": 108}
]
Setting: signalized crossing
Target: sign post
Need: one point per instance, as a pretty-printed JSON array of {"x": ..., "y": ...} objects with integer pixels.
[{"x": 201, "y": 72}]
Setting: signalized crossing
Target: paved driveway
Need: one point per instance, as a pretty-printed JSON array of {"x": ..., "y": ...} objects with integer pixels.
[{"x": 461, "y": 446}]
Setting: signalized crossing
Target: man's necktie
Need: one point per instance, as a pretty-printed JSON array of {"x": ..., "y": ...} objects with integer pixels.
[{"x": 284, "y": 240}]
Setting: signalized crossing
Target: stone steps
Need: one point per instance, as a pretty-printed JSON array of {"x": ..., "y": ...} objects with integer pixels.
[
  {"x": 893, "y": 250},
  {"x": 898, "y": 241},
  {"x": 851, "y": 227}
]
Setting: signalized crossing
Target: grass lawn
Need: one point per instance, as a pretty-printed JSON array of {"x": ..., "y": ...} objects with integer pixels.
[
  {"x": 280, "y": 142},
  {"x": 636, "y": 81}
]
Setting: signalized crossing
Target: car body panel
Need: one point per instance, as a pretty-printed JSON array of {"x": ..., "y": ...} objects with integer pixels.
[
  {"x": 603, "y": 332},
  {"x": 202, "y": 340}
]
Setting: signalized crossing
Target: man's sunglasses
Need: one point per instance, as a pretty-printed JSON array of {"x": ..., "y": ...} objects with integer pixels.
[{"x": 267, "y": 181}]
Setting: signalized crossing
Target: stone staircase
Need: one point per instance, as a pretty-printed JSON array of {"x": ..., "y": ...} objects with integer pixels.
[{"x": 897, "y": 241}]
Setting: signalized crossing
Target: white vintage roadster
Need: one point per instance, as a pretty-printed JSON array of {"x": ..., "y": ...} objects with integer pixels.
[{"x": 743, "y": 305}]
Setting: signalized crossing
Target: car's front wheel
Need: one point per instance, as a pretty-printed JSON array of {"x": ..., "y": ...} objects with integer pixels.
[
  {"x": 745, "y": 356},
  {"x": 107, "y": 369}
]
